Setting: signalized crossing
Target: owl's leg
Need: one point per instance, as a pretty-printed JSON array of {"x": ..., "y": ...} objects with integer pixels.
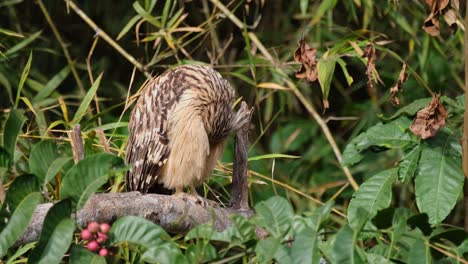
[{"x": 194, "y": 197}]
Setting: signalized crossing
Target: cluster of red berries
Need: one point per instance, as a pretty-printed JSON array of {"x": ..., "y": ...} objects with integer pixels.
[{"x": 96, "y": 235}]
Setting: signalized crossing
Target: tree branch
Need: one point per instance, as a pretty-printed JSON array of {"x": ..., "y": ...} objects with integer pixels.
[{"x": 172, "y": 213}]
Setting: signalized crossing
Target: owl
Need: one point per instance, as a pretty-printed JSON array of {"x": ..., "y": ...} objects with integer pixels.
[{"x": 179, "y": 127}]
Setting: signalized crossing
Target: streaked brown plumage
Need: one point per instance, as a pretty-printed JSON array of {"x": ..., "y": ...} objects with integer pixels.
[{"x": 179, "y": 127}]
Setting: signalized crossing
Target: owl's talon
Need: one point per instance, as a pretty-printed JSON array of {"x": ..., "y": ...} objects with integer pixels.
[{"x": 196, "y": 199}]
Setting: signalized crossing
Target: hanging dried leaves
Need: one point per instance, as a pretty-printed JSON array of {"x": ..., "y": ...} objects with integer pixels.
[
  {"x": 398, "y": 87},
  {"x": 429, "y": 120},
  {"x": 448, "y": 9},
  {"x": 371, "y": 71},
  {"x": 306, "y": 55}
]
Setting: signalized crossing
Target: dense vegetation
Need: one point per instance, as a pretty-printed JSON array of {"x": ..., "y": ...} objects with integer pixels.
[{"x": 337, "y": 168}]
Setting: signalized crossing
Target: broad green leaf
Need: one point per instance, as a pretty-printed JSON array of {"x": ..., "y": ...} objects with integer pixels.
[
  {"x": 326, "y": 69},
  {"x": 84, "y": 178},
  {"x": 56, "y": 235},
  {"x": 201, "y": 253},
  {"x": 419, "y": 253},
  {"x": 408, "y": 164},
  {"x": 24, "y": 76},
  {"x": 412, "y": 108},
  {"x": 22, "y": 44},
  {"x": 41, "y": 157},
  {"x": 21, "y": 187},
  {"x": 52, "y": 84},
  {"x": 320, "y": 215},
  {"x": 139, "y": 231},
  {"x": 207, "y": 232},
  {"x": 18, "y": 222},
  {"x": 439, "y": 177},
  {"x": 305, "y": 246},
  {"x": 390, "y": 135},
  {"x": 166, "y": 253},
  {"x": 13, "y": 127},
  {"x": 275, "y": 215},
  {"x": 4, "y": 159},
  {"x": 343, "y": 248},
  {"x": 79, "y": 255},
  {"x": 86, "y": 101},
  {"x": 266, "y": 249},
  {"x": 55, "y": 167},
  {"x": 373, "y": 195},
  {"x": 20, "y": 252}
]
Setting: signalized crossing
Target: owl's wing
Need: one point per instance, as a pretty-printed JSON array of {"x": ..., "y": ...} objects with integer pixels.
[{"x": 147, "y": 147}]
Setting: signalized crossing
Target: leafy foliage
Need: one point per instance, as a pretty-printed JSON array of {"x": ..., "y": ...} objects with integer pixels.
[{"x": 406, "y": 208}]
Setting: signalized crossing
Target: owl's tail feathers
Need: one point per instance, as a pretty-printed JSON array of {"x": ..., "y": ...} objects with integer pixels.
[{"x": 242, "y": 117}]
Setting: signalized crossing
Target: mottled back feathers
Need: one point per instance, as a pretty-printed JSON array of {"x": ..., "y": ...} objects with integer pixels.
[{"x": 178, "y": 126}]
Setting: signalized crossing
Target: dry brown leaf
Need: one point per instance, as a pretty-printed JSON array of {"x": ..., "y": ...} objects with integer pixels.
[
  {"x": 371, "y": 72},
  {"x": 398, "y": 87},
  {"x": 306, "y": 55},
  {"x": 441, "y": 7},
  {"x": 429, "y": 120}
]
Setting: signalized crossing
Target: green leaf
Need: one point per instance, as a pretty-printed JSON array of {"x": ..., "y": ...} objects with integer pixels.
[
  {"x": 55, "y": 167},
  {"x": 207, "y": 232},
  {"x": 20, "y": 252},
  {"x": 21, "y": 187},
  {"x": 373, "y": 195},
  {"x": 22, "y": 44},
  {"x": 273, "y": 156},
  {"x": 303, "y": 4},
  {"x": 79, "y": 255},
  {"x": 4, "y": 160},
  {"x": 56, "y": 235},
  {"x": 349, "y": 78},
  {"x": 138, "y": 231},
  {"x": 343, "y": 248},
  {"x": 266, "y": 249},
  {"x": 439, "y": 177},
  {"x": 305, "y": 246},
  {"x": 408, "y": 164},
  {"x": 166, "y": 253},
  {"x": 412, "y": 108},
  {"x": 391, "y": 135},
  {"x": 320, "y": 215},
  {"x": 84, "y": 178},
  {"x": 201, "y": 253},
  {"x": 24, "y": 76},
  {"x": 146, "y": 15},
  {"x": 86, "y": 101},
  {"x": 419, "y": 253},
  {"x": 275, "y": 215},
  {"x": 52, "y": 84},
  {"x": 128, "y": 26},
  {"x": 18, "y": 222},
  {"x": 13, "y": 127},
  {"x": 326, "y": 69},
  {"x": 42, "y": 156}
]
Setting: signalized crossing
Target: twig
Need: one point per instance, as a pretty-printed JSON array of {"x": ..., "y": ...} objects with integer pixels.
[
  {"x": 107, "y": 38},
  {"x": 77, "y": 143},
  {"x": 310, "y": 108},
  {"x": 239, "y": 193},
  {"x": 71, "y": 63},
  {"x": 172, "y": 213},
  {"x": 103, "y": 140}
]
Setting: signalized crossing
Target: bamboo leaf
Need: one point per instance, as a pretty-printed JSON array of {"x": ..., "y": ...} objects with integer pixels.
[{"x": 86, "y": 101}]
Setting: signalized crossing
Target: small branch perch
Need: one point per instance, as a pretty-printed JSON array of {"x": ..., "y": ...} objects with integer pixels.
[
  {"x": 172, "y": 213},
  {"x": 239, "y": 193}
]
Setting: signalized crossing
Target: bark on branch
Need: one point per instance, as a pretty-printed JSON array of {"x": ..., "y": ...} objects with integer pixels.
[{"x": 172, "y": 213}]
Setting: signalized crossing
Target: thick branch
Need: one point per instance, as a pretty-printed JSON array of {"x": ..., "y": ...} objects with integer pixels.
[{"x": 172, "y": 213}]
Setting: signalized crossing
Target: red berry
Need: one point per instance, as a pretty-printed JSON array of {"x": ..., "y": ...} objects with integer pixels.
[
  {"x": 103, "y": 252},
  {"x": 104, "y": 227},
  {"x": 86, "y": 235},
  {"x": 93, "y": 227},
  {"x": 93, "y": 245},
  {"x": 101, "y": 237}
]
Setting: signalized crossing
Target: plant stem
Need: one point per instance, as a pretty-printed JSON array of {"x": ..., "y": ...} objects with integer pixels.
[
  {"x": 107, "y": 38},
  {"x": 64, "y": 47},
  {"x": 465, "y": 125},
  {"x": 310, "y": 108}
]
